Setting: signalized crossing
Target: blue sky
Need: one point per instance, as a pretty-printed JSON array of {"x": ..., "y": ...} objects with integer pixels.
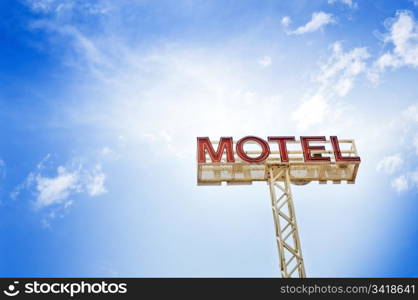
[{"x": 101, "y": 103}]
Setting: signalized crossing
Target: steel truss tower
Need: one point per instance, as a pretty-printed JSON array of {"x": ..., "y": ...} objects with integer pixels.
[{"x": 287, "y": 235}]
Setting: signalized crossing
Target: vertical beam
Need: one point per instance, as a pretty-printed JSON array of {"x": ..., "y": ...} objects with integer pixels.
[{"x": 287, "y": 236}]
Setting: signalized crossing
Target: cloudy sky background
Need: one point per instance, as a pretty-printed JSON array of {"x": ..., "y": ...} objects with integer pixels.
[{"x": 101, "y": 103}]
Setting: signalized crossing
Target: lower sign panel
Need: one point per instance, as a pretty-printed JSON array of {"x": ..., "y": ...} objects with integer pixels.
[{"x": 241, "y": 173}]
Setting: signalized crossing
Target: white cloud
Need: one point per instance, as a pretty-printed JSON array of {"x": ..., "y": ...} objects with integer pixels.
[
  {"x": 400, "y": 183},
  {"x": 415, "y": 2},
  {"x": 30, "y": 179},
  {"x": 349, "y": 3},
  {"x": 41, "y": 5},
  {"x": 404, "y": 128},
  {"x": 106, "y": 151},
  {"x": 62, "y": 7},
  {"x": 108, "y": 154},
  {"x": 41, "y": 164},
  {"x": 56, "y": 189},
  {"x": 411, "y": 113},
  {"x": 286, "y": 21},
  {"x": 95, "y": 182},
  {"x": 390, "y": 164},
  {"x": 403, "y": 36},
  {"x": 318, "y": 21},
  {"x": 265, "y": 61},
  {"x": 342, "y": 68},
  {"x": 14, "y": 194},
  {"x": 336, "y": 79},
  {"x": 405, "y": 182},
  {"x": 93, "y": 57},
  {"x": 68, "y": 182},
  {"x": 2, "y": 169}
]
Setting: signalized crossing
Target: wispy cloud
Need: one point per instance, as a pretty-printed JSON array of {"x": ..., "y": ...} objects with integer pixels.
[
  {"x": 405, "y": 182},
  {"x": 400, "y": 183},
  {"x": 341, "y": 69},
  {"x": 286, "y": 21},
  {"x": 265, "y": 61},
  {"x": 54, "y": 191},
  {"x": 2, "y": 168},
  {"x": 349, "y": 3},
  {"x": 390, "y": 164},
  {"x": 318, "y": 21},
  {"x": 61, "y": 7},
  {"x": 402, "y": 35},
  {"x": 335, "y": 80},
  {"x": 68, "y": 181},
  {"x": 338, "y": 74},
  {"x": 415, "y": 2},
  {"x": 95, "y": 182},
  {"x": 411, "y": 113},
  {"x": 402, "y": 166},
  {"x": 41, "y": 5}
]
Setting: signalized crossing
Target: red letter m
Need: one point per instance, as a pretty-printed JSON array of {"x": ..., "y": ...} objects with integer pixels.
[{"x": 204, "y": 144}]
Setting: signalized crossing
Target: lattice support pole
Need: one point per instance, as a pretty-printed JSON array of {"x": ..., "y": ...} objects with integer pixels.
[{"x": 287, "y": 236}]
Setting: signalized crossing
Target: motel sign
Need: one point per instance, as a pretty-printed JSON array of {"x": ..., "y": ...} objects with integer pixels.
[{"x": 280, "y": 161}]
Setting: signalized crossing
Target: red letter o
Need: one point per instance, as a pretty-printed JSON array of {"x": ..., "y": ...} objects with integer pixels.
[{"x": 265, "y": 149}]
